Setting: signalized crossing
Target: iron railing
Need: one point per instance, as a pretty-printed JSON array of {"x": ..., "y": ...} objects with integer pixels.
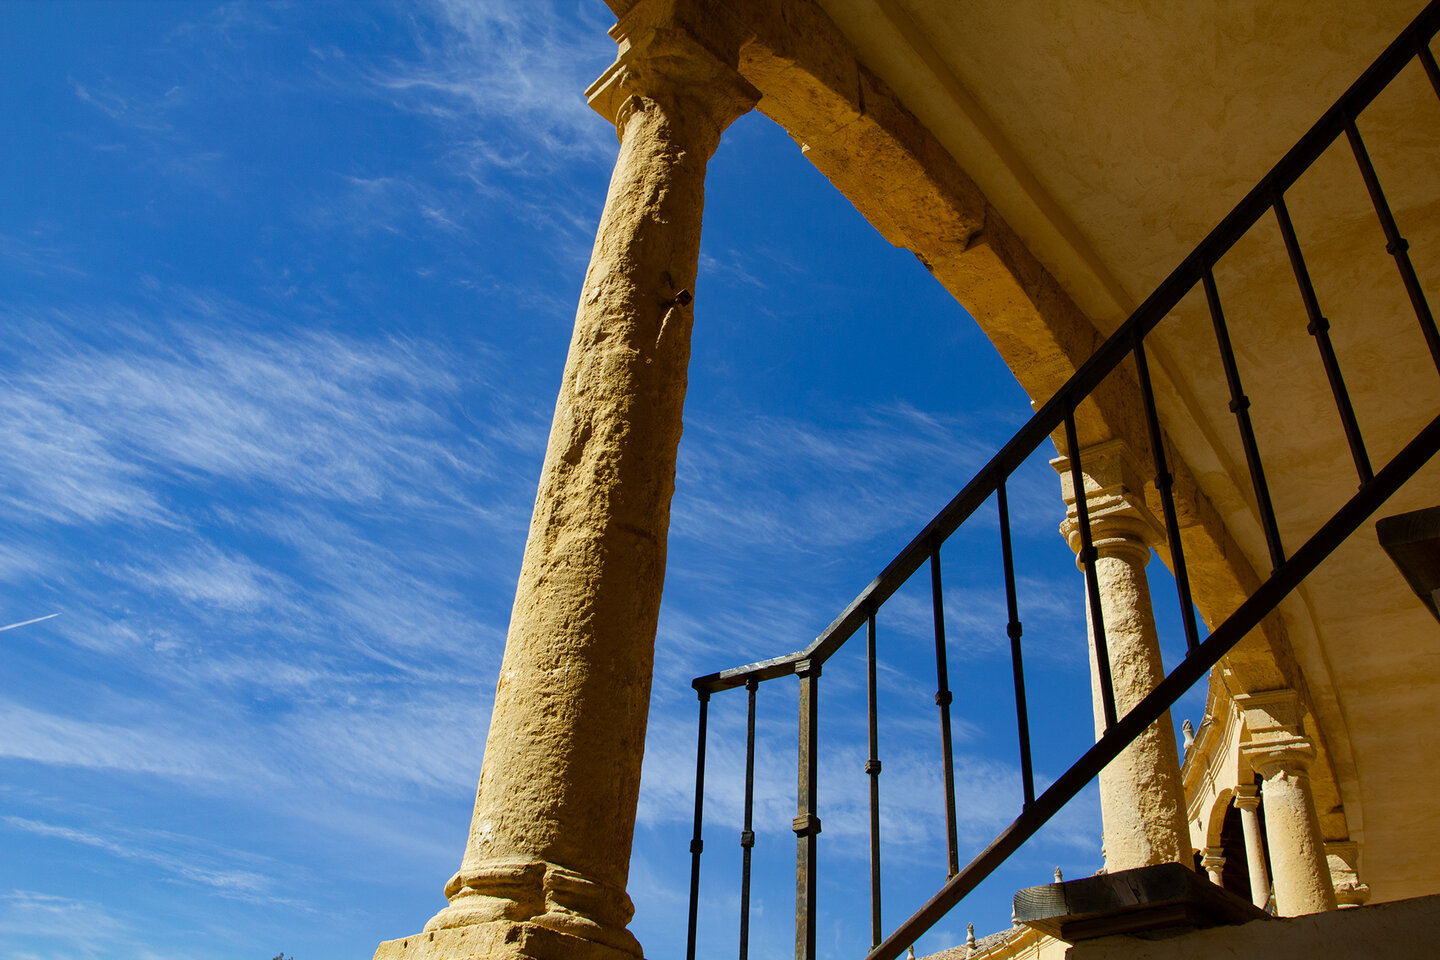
[{"x": 1268, "y": 197}]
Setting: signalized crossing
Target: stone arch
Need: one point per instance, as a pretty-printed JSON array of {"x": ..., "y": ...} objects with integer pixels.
[{"x": 1215, "y": 824}]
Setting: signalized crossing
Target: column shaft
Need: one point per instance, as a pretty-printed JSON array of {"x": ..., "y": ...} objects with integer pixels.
[
  {"x": 545, "y": 868},
  {"x": 1247, "y": 799},
  {"x": 1279, "y": 751},
  {"x": 1297, "y": 851},
  {"x": 1142, "y": 798}
]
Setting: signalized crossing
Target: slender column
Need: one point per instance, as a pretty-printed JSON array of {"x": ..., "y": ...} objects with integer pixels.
[
  {"x": 1279, "y": 751},
  {"x": 1247, "y": 800},
  {"x": 1213, "y": 863},
  {"x": 546, "y": 865},
  {"x": 1142, "y": 798}
]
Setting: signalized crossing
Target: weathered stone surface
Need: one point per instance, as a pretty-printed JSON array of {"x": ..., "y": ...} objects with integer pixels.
[
  {"x": 1142, "y": 798},
  {"x": 1279, "y": 751},
  {"x": 545, "y": 868}
]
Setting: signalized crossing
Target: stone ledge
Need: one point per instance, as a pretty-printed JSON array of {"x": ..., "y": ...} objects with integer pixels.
[
  {"x": 1398, "y": 930},
  {"x": 1152, "y": 902},
  {"x": 503, "y": 940}
]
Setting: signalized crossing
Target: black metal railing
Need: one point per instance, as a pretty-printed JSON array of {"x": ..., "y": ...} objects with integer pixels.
[{"x": 1288, "y": 570}]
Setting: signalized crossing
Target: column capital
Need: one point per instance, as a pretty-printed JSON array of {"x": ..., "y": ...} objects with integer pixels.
[
  {"x": 1120, "y": 520},
  {"x": 1247, "y": 797},
  {"x": 1275, "y": 720},
  {"x": 1344, "y": 859},
  {"x": 1276, "y": 724},
  {"x": 1267, "y": 712},
  {"x": 1213, "y": 863},
  {"x": 1290, "y": 756},
  {"x": 681, "y": 58}
]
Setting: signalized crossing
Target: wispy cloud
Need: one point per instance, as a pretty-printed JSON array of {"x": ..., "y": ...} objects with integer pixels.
[
  {"x": 211, "y": 578},
  {"x": 312, "y": 414},
  {"x": 142, "y": 112},
  {"x": 50, "y": 738},
  {"x": 521, "y": 67},
  {"x": 148, "y": 848},
  {"x": 39, "y": 254},
  {"x": 309, "y": 520},
  {"x": 29, "y": 913},
  {"x": 768, "y": 482}
]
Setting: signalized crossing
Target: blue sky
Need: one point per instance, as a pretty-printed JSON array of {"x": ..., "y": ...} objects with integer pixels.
[{"x": 286, "y": 292}]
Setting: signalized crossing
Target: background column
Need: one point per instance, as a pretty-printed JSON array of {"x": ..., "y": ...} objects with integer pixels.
[
  {"x": 1213, "y": 863},
  {"x": 1343, "y": 857},
  {"x": 1142, "y": 798},
  {"x": 1247, "y": 801},
  {"x": 1279, "y": 751}
]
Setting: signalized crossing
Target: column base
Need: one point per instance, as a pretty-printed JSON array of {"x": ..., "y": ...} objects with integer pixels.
[
  {"x": 498, "y": 940},
  {"x": 513, "y": 907}
]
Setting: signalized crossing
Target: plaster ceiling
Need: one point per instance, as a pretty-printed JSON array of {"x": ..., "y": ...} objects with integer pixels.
[{"x": 1113, "y": 135}]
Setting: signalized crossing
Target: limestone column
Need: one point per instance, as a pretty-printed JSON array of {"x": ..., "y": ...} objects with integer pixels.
[
  {"x": 1343, "y": 857},
  {"x": 1247, "y": 801},
  {"x": 544, "y": 872},
  {"x": 1213, "y": 863},
  {"x": 1142, "y": 797},
  {"x": 1279, "y": 751}
]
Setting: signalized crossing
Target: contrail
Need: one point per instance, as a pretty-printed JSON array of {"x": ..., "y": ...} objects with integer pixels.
[{"x": 26, "y": 623}]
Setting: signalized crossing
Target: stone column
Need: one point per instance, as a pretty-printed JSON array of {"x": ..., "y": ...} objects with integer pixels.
[
  {"x": 1247, "y": 801},
  {"x": 1213, "y": 863},
  {"x": 1279, "y": 751},
  {"x": 545, "y": 869},
  {"x": 1142, "y": 797},
  {"x": 1343, "y": 856}
]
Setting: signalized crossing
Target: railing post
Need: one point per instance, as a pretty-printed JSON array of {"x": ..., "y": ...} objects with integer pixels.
[
  {"x": 872, "y": 770},
  {"x": 806, "y": 824},
  {"x": 747, "y": 833},
  {"x": 696, "y": 844},
  {"x": 1319, "y": 328},
  {"x": 943, "y": 699},
  {"x": 1240, "y": 406},
  {"x": 1427, "y": 60},
  {"x": 1013, "y": 631},
  {"x": 1165, "y": 483},
  {"x": 1085, "y": 557},
  {"x": 1395, "y": 245}
]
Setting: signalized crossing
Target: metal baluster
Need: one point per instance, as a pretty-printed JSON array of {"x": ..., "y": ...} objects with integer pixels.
[
  {"x": 806, "y": 824},
  {"x": 1086, "y": 557},
  {"x": 1240, "y": 406},
  {"x": 1319, "y": 328},
  {"x": 872, "y": 769},
  {"x": 1427, "y": 59},
  {"x": 1165, "y": 483},
  {"x": 943, "y": 699},
  {"x": 696, "y": 844},
  {"x": 1395, "y": 245},
  {"x": 747, "y": 833},
  {"x": 1012, "y": 629}
]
